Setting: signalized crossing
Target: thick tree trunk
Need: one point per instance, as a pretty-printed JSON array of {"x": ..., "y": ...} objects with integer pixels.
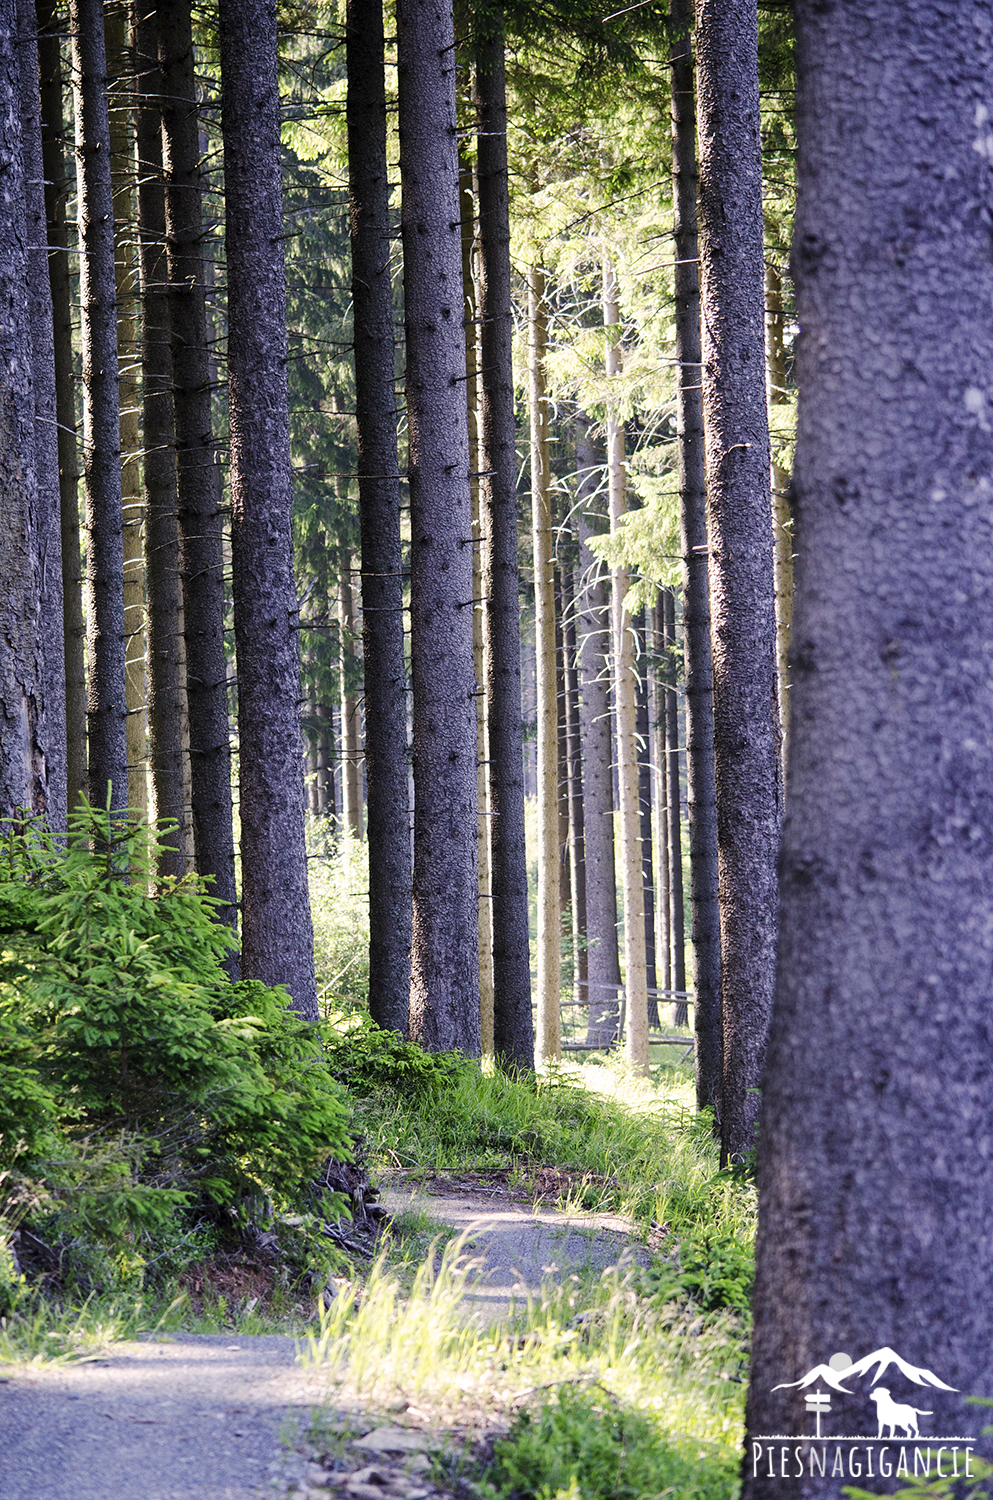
[
  {"x": 700, "y": 790},
  {"x": 549, "y": 1019},
  {"x": 673, "y": 800},
  {"x": 625, "y": 712},
  {"x": 165, "y": 674},
  {"x": 198, "y": 475},
  {"x": 105, "y": 633},
  {"x": 782, "y": 523},
  {"x": 385, "y": 681},
  {"x": 444, "y": 1002},
  {"x": 603, "y": 963},
  {"x": 875, "y": 1170},
  {"x": 51, "y": 724},
  {"x": 277, "y": 935},
  {"x": 742, "y": 595},
  {"x": 513, "y": 1030},
  {"x": 351, "y": 736},
  {"x": 56, "y": 189}
]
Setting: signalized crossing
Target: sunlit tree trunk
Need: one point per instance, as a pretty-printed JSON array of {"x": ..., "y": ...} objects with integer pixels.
[
  {"x": 577, "y": 830},
  {"x": 782, "y": 523},
  {"x": 643, "y": 740},
  {"x": 663, "y": 919},
  {"x": 673, "y": 800}
]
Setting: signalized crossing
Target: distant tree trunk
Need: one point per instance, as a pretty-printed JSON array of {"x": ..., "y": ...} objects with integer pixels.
[
  {"x": 562, "y": 774},
  {"x": 577, "y": 829},
  {"x": 512, "y": 1024},
  {"x": 120, "y": 91},
  {"x": 700, "y": 790},
  {"x": 106, "y": 702},
  {"x": 625, "y": 710},
  {"x": 56, "y": 189},
  {"x": 385, "y": 680},
  {"x": 875, "y": 1174},
  {"x": 663, "y": 917},
  {"x": 782, "y": 524},
  {"x": 444, "y": 1002},
  {"x": 51, "y": 724},
  {"x": 603, "y": 963},
  {"x": 549, "y": 1024},
  {"x": 351, "y": 737},
  {"x": 645, "y": 770},
  {"x": 673, "y": 800},
  {"x": 198, "y": 475},
  {"x": 165, "y": 675},
  {"x": 277, "y": 936},
  {"x": 743, "y": 626}
]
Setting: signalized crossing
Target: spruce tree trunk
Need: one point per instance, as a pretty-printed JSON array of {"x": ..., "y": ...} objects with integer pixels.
[
  {"x": 385, "y": 680},
  {"x": 351, "y": 737},
  {"x": 663, "y": 915},
  {"x": 700, "y": 790},
  {"x": 645, "y": 772},
  {"x": 562, "y": 773},
  {"x": 165, "y": 673},
  {"x": 444, "y": 1001},
  {"x": 51, "y": 724},
  {"x": 198, "y": 476},
  {"x": 742, "y": 596},
  {"x": 603, "y": 963},
  {"x": 549, "y": 955},
  {"x": 782, "y": 523},
  {"x": 577, "y": 831},
  {"x": 513, "y": 1030},
  {"x": 875, "y": 1174},
  {"x": 625, "y": 711},
  {"x": 675, "y": 830},
  {"x": 277, "y": 935},
  {"x": 105, "y": 634},
  {"x": 56, "y": 188}
]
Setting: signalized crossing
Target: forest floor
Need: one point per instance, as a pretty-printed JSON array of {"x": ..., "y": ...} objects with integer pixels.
[{"x": 228, "y": 1417}]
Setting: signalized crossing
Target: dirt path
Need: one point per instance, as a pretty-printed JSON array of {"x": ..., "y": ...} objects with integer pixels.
[{"x": 200, "y": 1417}]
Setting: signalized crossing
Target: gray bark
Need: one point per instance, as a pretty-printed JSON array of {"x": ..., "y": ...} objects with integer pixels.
[
  {"x": 444, "y": 1000},
  {"x": 277, "y": 935},
  {"x": 106, "y": 701},
  {"x": 351, "y": 736},
  {"x": 56, "y": 189},
  {"x": 700, "y": 790},
  {"x": 385, "y": 681},
  {"x": 577, "y": 834},
  {"x": 663, "y": 910},
  {"x": 875, "y": 1170},
  {"x": 675, "y": 829},
  {"x": 739, "y": 526},
  {"x": 645, "y": 773},
  {"x": 512, "y": 1025},
  {"x": 603, "y": 960},
  {"x": 198, "y": 476}
]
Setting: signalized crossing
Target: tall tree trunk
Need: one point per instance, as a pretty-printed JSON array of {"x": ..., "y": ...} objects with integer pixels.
[
  {"x": 700, "y": 790},
  {"x": 549, "y": 1023},
  {"x": 603, "y": 963},
  {"x": 875, "y": 1169},
  {"x": 105, "y": 633},
  {"x": 51, "y": 722},
  {"x": 645, "y": 769},
  {"x": 479, "y": 546},
  {"x": 562, "y": 774},
  {"x": 444, "y": 1001},
  {"x": 56, "y": 189},
  {"x": 625, "y": 710},
  {"x": 385, "y": 681},
  {"x": 198, "y": 476},
  {"x": 120, "y": 89},
  {"x": 663, "y": 915},
  {"x": 782, "y": 523},
  {"x": 743, "y": 625},
  {"x": 513, "y": 1029},
  {"x": 675, "y": 830},
  {"x": 277, "y": 935},
  {"x": 577, "y": 828},
  {"x": 165, "y": 675},
  {"x": 351, "y": 737}
]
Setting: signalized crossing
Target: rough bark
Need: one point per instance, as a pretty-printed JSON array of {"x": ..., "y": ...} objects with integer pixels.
[
  {"x": 549, "y": 945},
  {"x": 385, "y": 680},
  {"x": 875, "y": 1171},
  {"x": 277, "y": 935},
  {"x": 512, "y": 1024},
  {"x": 577, "y": 831},
  {"x": 742, "y": 597},
  {"x": 663, "y": 917},
  {"x": 351, "y": 736},
  {"x": 105, "y": 634},
  {"x": 444, "y": 1002},
  {"x": 165, "y": 670},
  {"x": 603, "y": 962},
  {"x": 700, "y": 790},
  {"x": 782, "y": 523},
  {"x": 562, "y": 774},
  {"x": 51, "y": 728},
  {"x": 625, "y": 714},
  {"x": 56, "y": 189},
  {"x": 675, "y": 829},
  {"x": 198, "y": 476},
  {"x": 645, "y": 775}
]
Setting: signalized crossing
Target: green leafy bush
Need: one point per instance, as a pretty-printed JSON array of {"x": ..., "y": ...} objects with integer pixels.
[
  {"x": 362, "y": 1056},
  {"x": 715, "y": 1268}
]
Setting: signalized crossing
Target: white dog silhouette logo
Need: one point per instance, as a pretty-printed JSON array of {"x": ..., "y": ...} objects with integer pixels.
[{"x": 894, "y": 1414}]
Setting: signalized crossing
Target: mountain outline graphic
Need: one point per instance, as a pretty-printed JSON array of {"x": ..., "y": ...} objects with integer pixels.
[{"x": 882, "y": 1358}]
